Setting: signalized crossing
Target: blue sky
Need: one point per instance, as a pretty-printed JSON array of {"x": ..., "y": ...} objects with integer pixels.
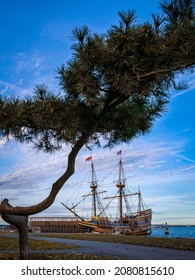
[{"x": 35, "y": 40}]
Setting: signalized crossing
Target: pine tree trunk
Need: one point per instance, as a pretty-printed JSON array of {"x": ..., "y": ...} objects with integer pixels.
[
  {"x": 21, "y": 223},
  {"x": 23, "y": 239}
]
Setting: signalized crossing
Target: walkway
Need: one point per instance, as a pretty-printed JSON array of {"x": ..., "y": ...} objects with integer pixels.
[{"x": 124, "y": 251}]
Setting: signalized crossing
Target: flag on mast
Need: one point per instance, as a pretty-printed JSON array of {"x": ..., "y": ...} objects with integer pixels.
[
  {"x": 119, "y": 153},
  {"x": 88, "y": 158}
]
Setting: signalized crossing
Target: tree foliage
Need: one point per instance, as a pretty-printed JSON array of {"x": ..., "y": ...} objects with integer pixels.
[{"x": 115, "y": 85}]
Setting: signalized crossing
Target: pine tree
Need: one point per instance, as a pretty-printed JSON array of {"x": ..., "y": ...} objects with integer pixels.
[{"x": 113, "y": 88}]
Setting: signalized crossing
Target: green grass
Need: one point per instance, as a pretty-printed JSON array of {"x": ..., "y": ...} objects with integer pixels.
[{"x": 11, "y": 243}]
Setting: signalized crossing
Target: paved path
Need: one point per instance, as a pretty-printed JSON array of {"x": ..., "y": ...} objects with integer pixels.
[{"x": 125, "y": 251}]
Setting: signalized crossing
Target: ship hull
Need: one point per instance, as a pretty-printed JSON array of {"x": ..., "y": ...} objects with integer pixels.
[
  {"x": 137, "y": 224},
  {"x": 96, "y": 228}
]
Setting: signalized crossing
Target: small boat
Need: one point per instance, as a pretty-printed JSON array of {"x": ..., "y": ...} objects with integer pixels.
[{"x": 130, "y": 223}]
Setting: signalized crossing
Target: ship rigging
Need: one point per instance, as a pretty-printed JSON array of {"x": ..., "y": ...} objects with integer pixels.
[{"x": 129, "y": 221}]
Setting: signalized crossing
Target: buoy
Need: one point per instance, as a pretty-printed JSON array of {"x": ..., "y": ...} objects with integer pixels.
[{"x": 166, "y": 228}]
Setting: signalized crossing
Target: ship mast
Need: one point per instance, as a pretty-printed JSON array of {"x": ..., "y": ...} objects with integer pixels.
[
  {"x": 93, "y": 186},
  {"x": 120, "y": 185},
  {"x": 139, "y": 202}
]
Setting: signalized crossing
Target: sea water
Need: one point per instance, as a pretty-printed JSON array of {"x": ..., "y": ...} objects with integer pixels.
[{"x": 174, "y": 232}]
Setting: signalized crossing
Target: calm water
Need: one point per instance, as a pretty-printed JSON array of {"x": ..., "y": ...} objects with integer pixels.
[
  {"x": 175, "y": 232},
  {"x": 3, "y": 226}
]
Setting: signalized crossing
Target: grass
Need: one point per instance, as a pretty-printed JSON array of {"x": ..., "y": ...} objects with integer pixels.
[
  {"x": 53, "y": 256},
  {"x": 11, "y": 243}
]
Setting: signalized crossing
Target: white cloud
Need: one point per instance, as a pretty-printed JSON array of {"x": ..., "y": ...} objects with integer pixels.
[
  {"x": 29, "y": 61},
  {"x": 2, "y": 143},
  {"x": 13, "y": 88},
  {"x": 173, "y": 208},
  {"x": 31, "y": 172},
  {"x": 36, "y": 70}
]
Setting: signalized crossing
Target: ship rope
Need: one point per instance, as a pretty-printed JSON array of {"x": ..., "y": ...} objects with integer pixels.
[
  {"x": 127, "y": 205},
  {"x": 106, "y": 208},
  {"x": 111, "y": 172},
  {"x": 100, "y": 205},
  {"x": 77, "y": 191},
  {"x": 84, "y": 212}
]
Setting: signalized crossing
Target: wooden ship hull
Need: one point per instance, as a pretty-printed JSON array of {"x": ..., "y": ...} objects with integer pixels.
[
  {"x": 139, "y": 224},
  {"x": 99, "y": 228}
]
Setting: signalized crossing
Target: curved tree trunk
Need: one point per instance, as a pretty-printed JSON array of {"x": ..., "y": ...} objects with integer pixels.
[
  {"x": 18, "y": 216},
  {"x": 21, "y": 223}
]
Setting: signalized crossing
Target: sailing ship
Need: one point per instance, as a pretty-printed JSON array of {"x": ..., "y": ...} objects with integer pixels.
[{"x": 131, "y": 222}]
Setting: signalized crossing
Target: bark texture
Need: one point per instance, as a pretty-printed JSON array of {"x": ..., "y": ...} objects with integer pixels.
[{"x": 21, "y": 223}]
